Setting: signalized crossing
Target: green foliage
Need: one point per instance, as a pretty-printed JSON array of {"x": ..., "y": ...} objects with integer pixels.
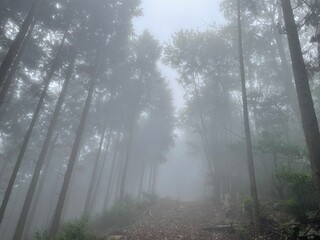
[
  {"x": 41, "y": 235},
  {"x": 75, "y": 230},
  {"x": 293, "y": 207},
  {"x": 120, "y": 214},
  {"x": 247, "y": 205},
  {"x": 299, "y": 191},
  {"x": 78, "y": 230},
  {"x": 274, "y": 142}
]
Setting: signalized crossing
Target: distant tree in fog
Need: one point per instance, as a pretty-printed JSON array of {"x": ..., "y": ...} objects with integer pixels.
[{"x": 252, "y": 174}]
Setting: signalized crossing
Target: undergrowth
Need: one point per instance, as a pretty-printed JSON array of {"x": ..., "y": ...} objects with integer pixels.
[
  {"x": 123, "y": 214},
  {"x": 119, "y": 215},
  {"x": 75, "y": 230}
]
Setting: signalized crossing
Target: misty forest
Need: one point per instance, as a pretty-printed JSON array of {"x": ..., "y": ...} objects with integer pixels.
[{"x": 147, "y": 120}]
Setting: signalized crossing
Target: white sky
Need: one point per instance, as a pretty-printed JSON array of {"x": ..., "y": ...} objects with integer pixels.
[{"x": 165, "y": 17}]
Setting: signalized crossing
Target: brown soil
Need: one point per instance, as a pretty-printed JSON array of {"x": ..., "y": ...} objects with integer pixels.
[{"x": 176, "y": 220}]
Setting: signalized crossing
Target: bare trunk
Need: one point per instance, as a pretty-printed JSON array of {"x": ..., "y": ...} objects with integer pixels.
[
  {"x": 126, "y": 164},
  {"x": 113, "y": 164},
  {"x": 104, "y": 161},
  {"x": 3, "y": 5},
  {"x": 151, "y": 169},
  {"x": 154, "y": 178},
  {"x": 205, "y": 144},
  {"x": 39, "y": 189},
  {"x": 27, "y": 136},
  {"x": 9, "y": 79},
  {"x": 308, "y": 115},
  {"x": 74, "y": 153},
  {"x": 18, "y": 41},
  {"x": 93, "y": 179},
  {"x": 254, "y": 192},
  {"x": 45, "y": 147},
  {"x": 287, "y": 75},
  {"x": 140, "y": 189},
  {"x": 121, "y": 164}
]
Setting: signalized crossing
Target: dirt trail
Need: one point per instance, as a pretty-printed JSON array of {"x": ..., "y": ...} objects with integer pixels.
[{"x": 176, "y": 220}]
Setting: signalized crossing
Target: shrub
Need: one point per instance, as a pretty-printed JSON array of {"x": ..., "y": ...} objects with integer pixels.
[
  {"x": 299, "y": 191},
  {"x": 41, "y": 235},
  {"x": 120, "y": 214},
  {"x": 123, "y": 214},
  {"x": 76, "y": 230},
  {"x": 293, "y": 207},
  {"x": 247, "y": 205}
]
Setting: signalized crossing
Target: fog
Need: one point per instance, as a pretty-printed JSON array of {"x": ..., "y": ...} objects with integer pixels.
[{"x": 187, "y": 113}]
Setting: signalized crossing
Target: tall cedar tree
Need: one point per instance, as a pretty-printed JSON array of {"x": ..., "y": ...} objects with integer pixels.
[
  {"x": 18, "y": 41},
  {"x": 75, "y": 149},
  {"x": 27, "y": 136},
  {"x": 308, "y": 115},
  {"x": 45, "y": 147},
  {"x": 253, "y": 185}
]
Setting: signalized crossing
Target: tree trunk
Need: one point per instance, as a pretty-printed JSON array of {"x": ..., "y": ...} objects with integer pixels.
[
  {"x": 74, "y": 153},
  {"x": 154, "y": 178},
  {"x": 94, "y": 174},
  {"x": 150, "y": 178},
  {"x": 102, "y": 168},
  {"x": 126, "y": 164},
  {"x": 287, "y": 73},
  {"x": 252, "y": 178},
  {"x": 3, "y": 5},
  {"x": 3, "y": 15},
  {"x": 40, "y": 187},
  {"x": 308, "y": 115},
  {"x": 18, "y": 41},
  {"x": 104, "y": 161},
  {"x": 9, "y": 79},
  {"x": 205, "y": 144},
  {"x": 45, "y": 147},
  {"x": 111, "y": 173},
  {"x": 28, "y": 134},
  {"x": 6, "y": 160},
  {"x": 121, "y": 164},
  {"x": 140, "y": 189}
]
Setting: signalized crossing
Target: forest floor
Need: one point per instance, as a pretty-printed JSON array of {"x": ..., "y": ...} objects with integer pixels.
[{"x": 176, "y": 220}]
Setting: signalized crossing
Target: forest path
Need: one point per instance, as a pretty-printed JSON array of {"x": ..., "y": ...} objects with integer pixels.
[{"x": 176, "y": 220}]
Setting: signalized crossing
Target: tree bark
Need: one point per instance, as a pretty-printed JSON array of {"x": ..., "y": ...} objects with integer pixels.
[
  {"x": 205, "y": 144},
  {"x": 308, "y": 115},
  {"x": 40, "y": 186},
  {"x": 74, "y": 153},
  {"x": 150, "y": 178},
  {"x": 252, "y": 178},
  {"x": 9, "y": 79},
  {"x": 93, "y": 180},
  {"x": 121, "y": 164},
  {"x": 111, "y": 173},
  {"x": 28, "y": 135},
  {"x": 154, "y": 178},
  {"x": 140, "y": 189},
  {"x": 45, "y": 147},
  {"x": 287, "y": 73},
  {"x": 18, "y": 41},
  {"x": 126, "y": 163},
  {"x": 104, "y": 161}
]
